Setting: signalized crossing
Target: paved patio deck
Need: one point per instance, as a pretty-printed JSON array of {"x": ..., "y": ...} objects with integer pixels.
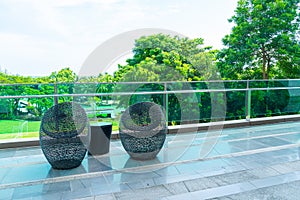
[{"x": 258, "y": 162}]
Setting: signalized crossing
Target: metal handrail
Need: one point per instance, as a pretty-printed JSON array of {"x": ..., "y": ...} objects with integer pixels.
[
  {"x": 165, "y": 91},
  {"x": 144, "y": 93},
  {"x": 208, "y": 81}
]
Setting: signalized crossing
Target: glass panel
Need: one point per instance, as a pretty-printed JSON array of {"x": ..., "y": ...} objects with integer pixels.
[
  {"x": 266, "y": 103},
  {"x": 235, "y": 84},
  {"x": 21, "y": 117},
  {"x": 183, "y": 104},
  {"x": 235, "y": 101}
]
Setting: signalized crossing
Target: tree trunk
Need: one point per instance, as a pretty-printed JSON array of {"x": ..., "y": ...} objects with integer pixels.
[{"x": 264, "y": 57}]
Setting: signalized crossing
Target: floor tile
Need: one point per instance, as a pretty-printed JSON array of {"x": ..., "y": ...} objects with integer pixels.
[{"x": 230, "y": 169}]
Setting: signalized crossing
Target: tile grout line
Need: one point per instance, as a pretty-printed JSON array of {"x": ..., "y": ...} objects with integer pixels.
[
  {"x": 213, "y": 191},
  {"x": 96, "y": 174},
  {"x": 233, "y": 140}
]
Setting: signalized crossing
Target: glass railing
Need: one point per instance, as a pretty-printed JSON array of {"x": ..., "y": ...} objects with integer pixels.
[{"x": 22, "y": 106}]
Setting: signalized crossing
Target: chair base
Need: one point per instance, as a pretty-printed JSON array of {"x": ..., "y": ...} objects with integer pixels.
[
  {"x": 144, "y": 156},
  {"x": 65, "y": 164}
]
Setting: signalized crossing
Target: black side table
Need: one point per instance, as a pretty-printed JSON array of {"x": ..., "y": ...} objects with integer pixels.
[{"x": 99, "y": 137}]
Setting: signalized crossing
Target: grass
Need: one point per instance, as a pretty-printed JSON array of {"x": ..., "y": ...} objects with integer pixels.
[
  {"x": 12, "y": 129},
  {"x": 18, "y": 126},
  {"x": 115, "y": 124}
]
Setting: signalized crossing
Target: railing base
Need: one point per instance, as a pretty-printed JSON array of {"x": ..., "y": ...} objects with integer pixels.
[{"x": 16, "y": 143}]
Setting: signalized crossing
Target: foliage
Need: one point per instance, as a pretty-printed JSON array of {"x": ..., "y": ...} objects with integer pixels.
[
  {"x": 65, "y": 75},
  {"x": 63, "y": 81},
  {"x": 269, "y": 102},
  {"x": 164, "y": 58},
  {"x": 264, "y": 43},
  {"x": 32, "y": 86}
]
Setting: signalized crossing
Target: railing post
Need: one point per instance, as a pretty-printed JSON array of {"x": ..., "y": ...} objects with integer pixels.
[
  {"x": 55, "y": 92},
  {"x": 166, "y": 100},
  {"x": 248, "y": 102}
]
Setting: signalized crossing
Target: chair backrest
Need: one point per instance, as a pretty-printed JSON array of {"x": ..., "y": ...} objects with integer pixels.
[
  {"x": 143, "y": 116},
  {"x": 64, "y": 120}
]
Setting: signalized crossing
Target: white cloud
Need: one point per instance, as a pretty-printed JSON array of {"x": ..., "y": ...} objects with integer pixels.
[
  {"x": 67, "y": 3},
  {"x": 57, "y": 33}
]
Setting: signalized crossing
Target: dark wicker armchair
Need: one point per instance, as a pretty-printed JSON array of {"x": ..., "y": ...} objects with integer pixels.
[
  {"x": 143, "y": 130},
  {"x": 63, "y": 130}
]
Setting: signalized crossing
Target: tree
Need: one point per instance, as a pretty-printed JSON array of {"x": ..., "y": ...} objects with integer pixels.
[
  {"x": 65, "y": 75},
  {"x": 165, "y": 58},
  {"x": 157, "y": 57},
  {"x": 264, "y": 43},
  {"x": 22, "y": 85},
  {"x": 14, "y": 89},
  {"x": 63, "y": 83}
]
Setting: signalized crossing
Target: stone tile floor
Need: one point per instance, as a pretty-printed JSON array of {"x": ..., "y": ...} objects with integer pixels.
[{"x": 258, "y": 162}]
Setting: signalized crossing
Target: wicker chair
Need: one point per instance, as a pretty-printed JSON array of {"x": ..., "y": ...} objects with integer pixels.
[
  {"x": 143, "y": 130},
  {"x": 63, "y": 132}
]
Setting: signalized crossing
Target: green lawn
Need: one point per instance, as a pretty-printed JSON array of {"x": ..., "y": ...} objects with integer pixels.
[
  {"x": 17, "y": 126},
  {"x": 115, "y": 124},
  {"x": 10, "y": 129}
]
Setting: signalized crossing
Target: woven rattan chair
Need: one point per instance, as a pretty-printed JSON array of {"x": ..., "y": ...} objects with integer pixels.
[
  {"x": 63, "y": 130},
  {"x": 143, "y": 130}
]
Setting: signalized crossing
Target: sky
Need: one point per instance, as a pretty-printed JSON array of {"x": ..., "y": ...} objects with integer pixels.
[{"x": 38, "y": 37}]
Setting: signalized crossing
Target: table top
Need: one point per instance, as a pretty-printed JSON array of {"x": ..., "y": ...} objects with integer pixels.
[{"x": 100, "y": 123}]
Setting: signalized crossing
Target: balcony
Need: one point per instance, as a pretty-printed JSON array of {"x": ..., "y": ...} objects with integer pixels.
[
  {"x": 249, "y": 162},
  {"x": 239, "y": 158}
]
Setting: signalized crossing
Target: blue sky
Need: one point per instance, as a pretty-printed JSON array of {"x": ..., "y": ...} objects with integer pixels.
[{"x": 38, "y": 37}]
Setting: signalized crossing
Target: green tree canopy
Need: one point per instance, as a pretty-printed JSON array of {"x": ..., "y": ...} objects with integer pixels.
[
  {"x": 164, "y": 58},
  {"x": 264, "y": 43},
  {"x": 13, "y": 79},
  {"x": 65, "y": 75}
]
